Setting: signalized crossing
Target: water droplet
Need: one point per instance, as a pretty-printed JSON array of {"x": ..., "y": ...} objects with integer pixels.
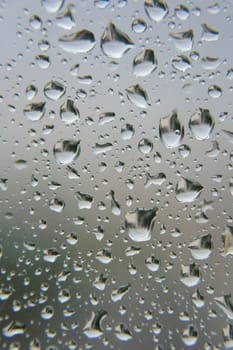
[
  {"x": 139, "y": 26},
  {"x": 115, "y": 207},
  {"x": 102, "y": 148},
  {"x": 198, "y": 299},
  {"x": 52, "y": 6},
  {"x": 82, "y": 41},
  {"x": 190, "y": 275},
  {"x": 225, "y": 303},
  {"x": 14, "y": 328},
  {"x": 187, "y": 190},
  {"x": 66, "y": 151},
  {"x": 57, "y": 205},
  {"x": 182, "y": 12},
  {"x": 227, "y": 238},
  {"x": 51, "y": 255},
  {"x": 101, "y": 3},
  {"x": 35, "y": 22},
  {"x": 183, "y": 41},
  {"x": 106, "y": 117},
  {"x": 122, "y": 333},
  {"x": 214, "y": 150},
  {"x": 138, "y": 96},
  {"x": 64, "y": 296},
  {"x": 100, "y": 282},
  {"x": 35, "y": 111},
  {"x": 119, "y": 293},
  {"x": 152, "y": 263},
  {"x": 181, "y": 63},
  {"x": 171, "y": 131},
  {"x": 184, "y": 151},
  {"x": 209, "y": 34},
  {"x": 69, "y": 113},
  {"x": 201, "y": 124},
  {"x": 72, "y": 173},
  {"x": 104, "y": 256},
  {"x": 139, "y": 224},
  {"x": 144, "y": 63},
  {"x": 47, "y": 312},
  {"x": 210, "y": 63},
  {"x": 228, "y": 336},
  {"x": 65, "y": 19},
  {"x": 114, "y": 42},
  {"x": 145, "y": 146},
  {"x": 54, "y": 90},
  {"x": 157, "y": 179},
  {"x": 31, "y": 91},
  {"x": 93, "y": 328},
  {"x": 190, "y": 336},
  {"x": 84, "y": 200},
  {"x": 156, "y": 9},
  {"x": 21, "y": 164},
  {"x": 43, "y": 61},
  {"x": 3, "y": 184},
  {"x": 35, "y": 344},
  {"x": 202, "y": 247},
  {"x": 215, "y": 91}
]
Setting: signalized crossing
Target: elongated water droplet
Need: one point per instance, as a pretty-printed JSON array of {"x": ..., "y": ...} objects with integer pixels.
[
  {"x": 183, "y": 41},
  {"x": 139, "y": 224},
  {"x": 114, "y": 42},
  {"x": 225, "y": 303},
  {"x": 187, "y": 190},
  {"x": 13, "y": 328},
  {"x": 202, "y": 247},
  {"x": 144, "y": 63},
  {"x": 51, "y": 255},
  {"x": 69, "y": 113},
  {"x": 101, "y": 3},
  {"x": 171, "y": 131},
  {"x": 210, "y": 63},
  {"x": 115, "y": 207},
  {"x": 82, "y": 41},
  {"x": 66, "y": 151},
  {"x": 106, "y": 117},
  {"x": 52, "y": 6},
  {"x": 157, "y": 179},
  {"x": 54, "y": 90},
  {"x": 119, "y": 293},
  {"x": 102, "y": 148},
  {"x": 156, "y": 9},
  {"x": 138, "y": 96},
  {"x": 190, "y": 275},
  {"x": 201, "y": 124},
  {"x": 35, "y": 111},
  {"x": 93, "y": 328}
]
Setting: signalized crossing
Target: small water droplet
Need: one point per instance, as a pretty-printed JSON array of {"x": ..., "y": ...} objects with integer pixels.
[
  {"x": 145, "y": 146},
  {"x": 157, "y": 179},
  {"x": 190, "y": 336},
  {"x": 139, "y": 26},
  {"x": 202, "y": 247},
  {"x": 65, "y": 19},
  {"x": 190, "y": 275},
  {"x": 35, "y": 22},
  {"x": 57, "y": 205},
  {"x": 84, "y": 200},
  {"x": 152, "y": 263},
  {"x": 52, "y": 6},
  {"x": 181, "y": 63},
  {"x": 102, "y": 4},
  {"x": 122, "y": 333},
  {"x": 215, "y": 91},
  {"x": 182, "y": 12}
]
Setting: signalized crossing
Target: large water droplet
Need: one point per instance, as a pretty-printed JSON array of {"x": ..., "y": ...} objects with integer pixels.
[
  {"x": 139, "y": 224},
  {"x": 65, "y": 19},
  {"x": 122, "y": 333},
  {"x": 145, "y": 146},
  {"x": 171, "y": 131},
  {"x": 139, "y": 25},
  {"x": 182, "y": 12},
  {"x": 210, "y": 63},
  {"x": 79, "y": 42},
  {"x": 183, "y": 41},
  {"x": 35, "y": 111},
  {"x": 187, "y": 190},
  {"x": 152, "y": 263},
  {"x": 215, "y": 91},
  {"x": 66, "y": 151},
  {"x": 138, "y": 96},
  {"x": 54, "y": 90},
  {"x": 225, "y": 303},
  {"x": 84, "y": 200},
  {"x": 119, "y": 293},
  {"x": 114, "y": 42},
  {"x": 201, "y": 124},
  {"x": 156, "y": 9},
  {"x": 57, "y": 205},
  {"x": 13, "y": 328},
  {"x": 69, "y": 113},
  {"x": 181, "y": 63},
  {"x": 127, "y": 132},
  {"x": 144, "y": 63}
]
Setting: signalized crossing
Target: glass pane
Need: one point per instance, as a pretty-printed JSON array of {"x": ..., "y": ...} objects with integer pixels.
[{"x": 116, "y": 174}]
